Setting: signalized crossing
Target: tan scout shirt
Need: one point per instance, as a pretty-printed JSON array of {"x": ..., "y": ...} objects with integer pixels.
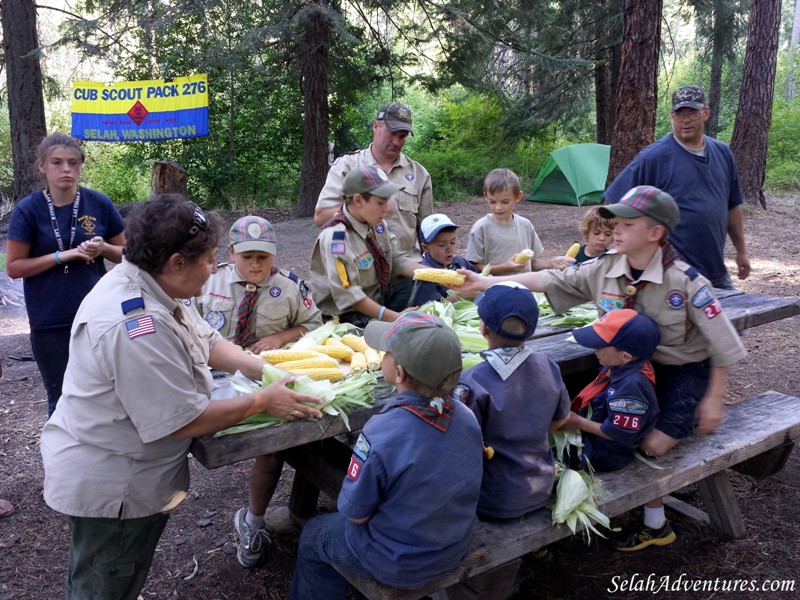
[
  {"x": 692, "y": 323},
  {"x": 282, "y": 303},
  {"x": 329, "y": 292},
  {"x": 138, "y": 372},
  {"x": 415, "y": 202}
]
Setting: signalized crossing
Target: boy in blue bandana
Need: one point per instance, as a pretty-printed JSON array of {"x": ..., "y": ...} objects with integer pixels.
[
  {"x": 518, "y": 396},
  {"x": 407, "y": 504}
]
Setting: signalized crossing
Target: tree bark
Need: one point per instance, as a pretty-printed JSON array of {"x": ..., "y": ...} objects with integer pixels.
[
  {"x": 25, "y": 98},
  {"x": 314, "y": 69},
  {"x": 754, "y": 115},
  {"x": 168, "y": 178},
  {"x": 791, "y": 86},
  {"x": 606, "y": 77},
  {"x": 635, "y": 119},
  {"x": 717, "y": 58}
]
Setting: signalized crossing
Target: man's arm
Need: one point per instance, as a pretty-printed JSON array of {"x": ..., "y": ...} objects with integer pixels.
[{"x": 736, "y": 233}]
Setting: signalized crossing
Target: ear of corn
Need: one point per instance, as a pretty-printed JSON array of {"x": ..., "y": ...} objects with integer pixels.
[
  {"x": 373, "y": 359},
  {"x": 320, "y": 373},
  {"x": 319, "y": 361},
  {"x": 358, "y": 362},
  {"x": 337, "y": 349},
  {"x": 573, "y": 250},
  {"x": 355, "y": 342},
  {"x": 275, "y": 357},
  {"x": 444, "y": 276},
  {"x": 524, "y": 256}
]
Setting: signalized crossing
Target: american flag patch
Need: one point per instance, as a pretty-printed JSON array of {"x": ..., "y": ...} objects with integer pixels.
[{"x": 140, "y": 326}]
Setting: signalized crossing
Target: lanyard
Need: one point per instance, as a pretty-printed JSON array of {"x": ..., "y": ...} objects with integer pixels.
[{"x": 56, "y": 230}]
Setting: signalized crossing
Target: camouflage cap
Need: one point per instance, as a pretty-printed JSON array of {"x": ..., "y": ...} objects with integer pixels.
[
  {"x": 396, "y": 116},
  {"x": 689, "y": 96}
]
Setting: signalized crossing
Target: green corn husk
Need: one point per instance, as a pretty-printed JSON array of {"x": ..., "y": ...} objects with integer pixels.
[{"x": 575, "y": 503}]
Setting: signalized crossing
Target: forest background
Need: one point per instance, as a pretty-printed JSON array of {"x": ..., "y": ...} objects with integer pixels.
[{"x": 491, "y": 84}]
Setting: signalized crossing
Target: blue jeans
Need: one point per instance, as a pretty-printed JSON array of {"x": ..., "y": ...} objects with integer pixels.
[
  {"x": 51, "y": 350},
  {"x": 322, "y": 545}
]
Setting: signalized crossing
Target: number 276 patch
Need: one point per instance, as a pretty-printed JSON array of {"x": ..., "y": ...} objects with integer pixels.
[{"x": 713, "y": 309}]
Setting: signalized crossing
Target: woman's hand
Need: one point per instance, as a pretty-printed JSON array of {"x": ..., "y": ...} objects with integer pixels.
[{"x": 279, "y": 401}]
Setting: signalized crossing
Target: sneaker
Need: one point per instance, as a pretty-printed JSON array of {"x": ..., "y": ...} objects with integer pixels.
[
  {"x": 252, "y": 542},
  {"x": 637, "y": 540}
]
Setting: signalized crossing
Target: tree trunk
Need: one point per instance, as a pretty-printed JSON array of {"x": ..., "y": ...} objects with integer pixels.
[
  {"x": 754, "y": 115},
  {"x": 168, "y": 178},
  {"x": 606, "y": 75},
  {"x": 635, "y": 119},
  {"x": 316, "y": 41},
  {"x": 717, "y": 58},
  {"x": 25, "y": 99}
]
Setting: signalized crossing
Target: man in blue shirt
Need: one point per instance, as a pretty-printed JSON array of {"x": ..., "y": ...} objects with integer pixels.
[{"x": 699, "y": 172}]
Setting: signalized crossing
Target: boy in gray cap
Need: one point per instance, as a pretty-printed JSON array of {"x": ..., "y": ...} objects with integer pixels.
[{"x": 407, "y": 504}]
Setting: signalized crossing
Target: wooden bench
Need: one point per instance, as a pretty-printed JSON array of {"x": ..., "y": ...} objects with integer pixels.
[{"x": 759, "y": 428}]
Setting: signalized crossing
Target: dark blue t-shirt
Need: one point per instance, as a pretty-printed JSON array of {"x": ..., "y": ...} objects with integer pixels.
[
  {"x": 427, "y": 290},
  {"x": 705, "y": 189},
  {"x": 52, "y": 298}
]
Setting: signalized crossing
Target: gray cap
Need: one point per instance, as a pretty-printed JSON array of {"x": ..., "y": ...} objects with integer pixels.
[
  {"x": 369, "y": 179},
  {"x": 420, "y": 343},
  {"x": 396, "y": 116},
  {"x": 688, "y": 96},
  {"x": 644, "y": 200}
]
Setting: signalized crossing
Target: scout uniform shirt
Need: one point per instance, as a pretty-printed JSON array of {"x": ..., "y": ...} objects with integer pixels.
[
  {"x": 138, "y": 372},
  {"x": 283, "y": 301},
  {"x": 691, "y": 320},
  {"x": 415, "y": 201},
  {"x": 330, "y": 292}
]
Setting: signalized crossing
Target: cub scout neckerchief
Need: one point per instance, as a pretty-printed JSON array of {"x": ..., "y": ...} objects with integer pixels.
[
  {"x": 600, "y": 383},
  {"x": 438, "y": 412}
]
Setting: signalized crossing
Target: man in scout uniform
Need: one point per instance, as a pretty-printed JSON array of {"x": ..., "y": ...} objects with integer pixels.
[
  {"x": 698, "y": 343},
  {"x": 356, "y": 256},
  {"x": 411, "y": 204},
  {"x": 253, "y": 304}
]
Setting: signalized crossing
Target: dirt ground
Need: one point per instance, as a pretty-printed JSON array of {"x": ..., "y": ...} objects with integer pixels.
[{"x": 196, "y": 556}]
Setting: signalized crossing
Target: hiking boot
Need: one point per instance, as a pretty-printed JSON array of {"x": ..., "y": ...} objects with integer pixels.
[
  {"x": 252, "y": 542},
  {"x": 646, "y": 536}
]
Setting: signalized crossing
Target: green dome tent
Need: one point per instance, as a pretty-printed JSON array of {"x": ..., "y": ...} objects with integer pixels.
[{"x": 574, "y": 174}]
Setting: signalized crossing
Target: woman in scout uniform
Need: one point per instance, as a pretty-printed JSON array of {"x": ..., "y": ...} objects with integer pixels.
[
  {"x": 136, "y": 391},
  {"x": 355, "y": 256},
  {"x": 57, "y": 240},
  {"x": 254, "y": 305}
]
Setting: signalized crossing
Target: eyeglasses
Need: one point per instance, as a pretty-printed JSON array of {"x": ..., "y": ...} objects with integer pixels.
[{"x": 687, "y": 115}]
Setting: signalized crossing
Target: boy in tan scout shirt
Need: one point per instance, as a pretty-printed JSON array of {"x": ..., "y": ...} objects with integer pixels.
[
  {"x": 698, "y": 342},
  {"x": 256, "y": 306},
  {"x": 356, "y": 256}
]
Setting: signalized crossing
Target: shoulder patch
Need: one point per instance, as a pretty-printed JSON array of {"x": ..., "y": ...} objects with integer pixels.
[
  {"x": 140, "y": 326},
  {"x": 692, "y": 273},
  {"x": 702, "y": 297},
  {"x": 627, "y": 405},
  {"x": 362, "y": 447},
  {"x": 676, "y": 299},
  {"x": 132, "y": 304}
]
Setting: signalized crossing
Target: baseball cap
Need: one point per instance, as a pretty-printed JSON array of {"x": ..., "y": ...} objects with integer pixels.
[
  {"x": 396, "y": 116},
  {"x": 253, "y": 233},
  {"x": 624, "y": 329},
  {"x": 369, "y": 179},
  {"x": 689, "y": 96},
  {"x": 420, "y": 343},
  {"x": 508, "y": 299},
  {"x": 644, "y": 200},
  {"x": 433, "y": 224}
]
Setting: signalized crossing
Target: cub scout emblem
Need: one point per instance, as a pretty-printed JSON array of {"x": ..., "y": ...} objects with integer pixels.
[
  {"x": 275, "y": 291},
  {"x": 676, "y": 299},
  {"x": 216, "y": 319},
  {"x": 409, "y": 177},
  {"x": 379, "y": 228}
]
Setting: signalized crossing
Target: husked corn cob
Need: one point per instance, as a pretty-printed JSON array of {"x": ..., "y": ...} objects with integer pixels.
[
  {"x": 274, "y": 357},
  {"x": 337, "y": 349},
  {"x": 331, "y": 374},
  {"x": 524, "y": 256},
  {"x": 355, "y": 342},
  {"x": 373, "y": 359},
  {"x": 358, "y": 362},
  {"x": 439, "y": 276},
  {"x": 319, "y": 361},
  {"x": 573, "y": 250}
]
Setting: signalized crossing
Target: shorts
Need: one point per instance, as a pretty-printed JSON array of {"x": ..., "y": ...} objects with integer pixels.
[
  {"x": 604, "y": 455},
  {"x": 679, "y": 389}
]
